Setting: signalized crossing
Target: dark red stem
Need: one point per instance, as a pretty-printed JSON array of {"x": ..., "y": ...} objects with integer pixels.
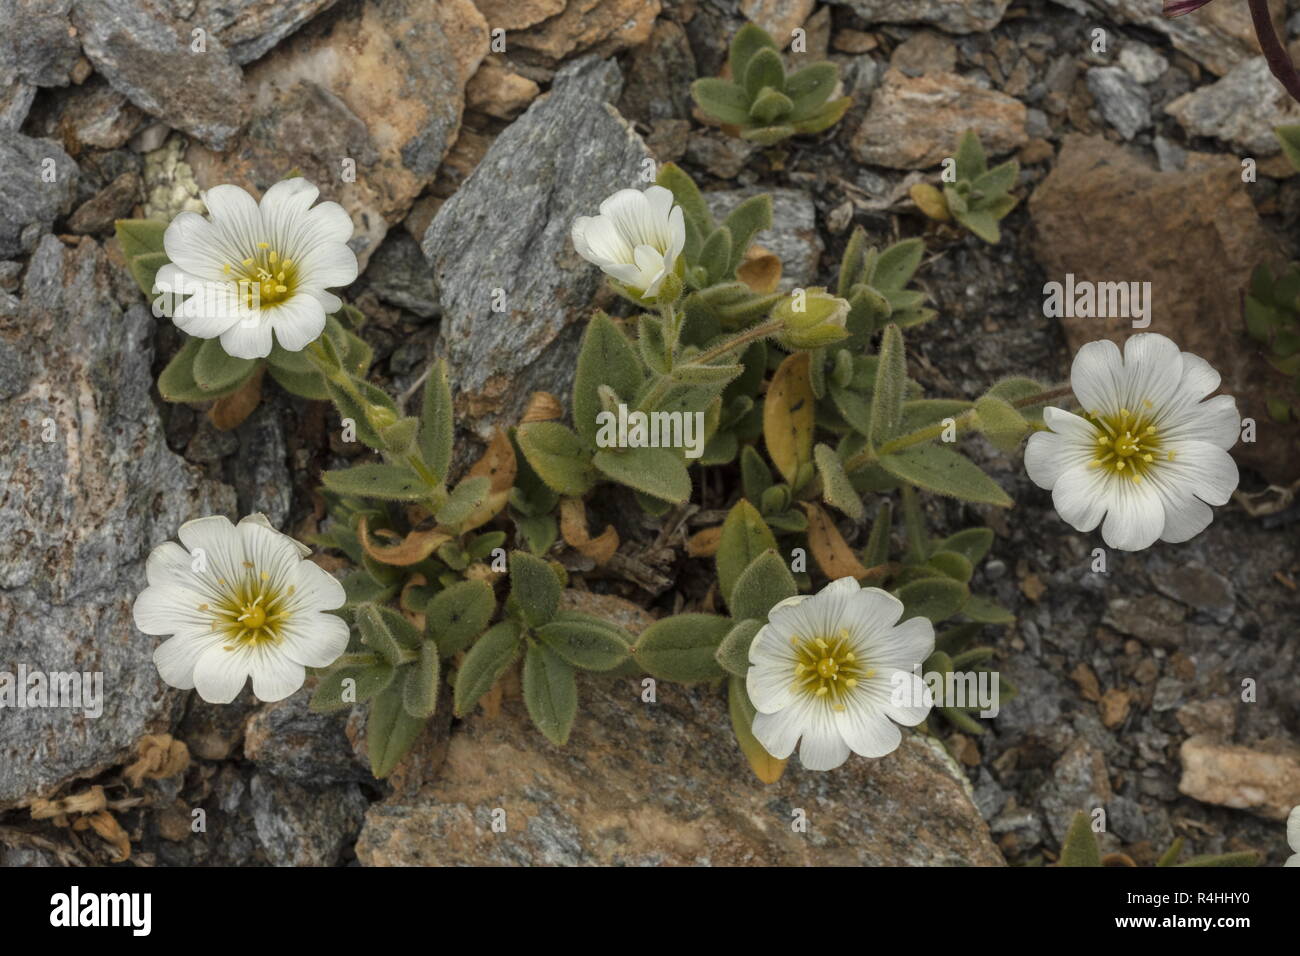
[{"x": 1279, "y": 61}]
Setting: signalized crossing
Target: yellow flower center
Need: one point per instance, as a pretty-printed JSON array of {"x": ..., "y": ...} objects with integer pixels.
[
  {"x": 827, "y": 668},
  {"x": 265, "y": 278},
  {"x": 251, "y": 610},
  {"x": 1128, "y": 444}
]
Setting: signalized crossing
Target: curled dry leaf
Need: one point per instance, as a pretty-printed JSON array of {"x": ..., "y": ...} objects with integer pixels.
[
  {"x": 760, "y": 270},
  {"x": 573, "y": 526},
  {"x": 704, "y": 544},
  {"x": 91, "y": 801},
  {"x": 399, "y": 551},
  {"x": 788, "y": 417},
  {"x": 409, "y": 609},
  {"x": 498, "y": 465},
  {"x": 829, "y": 549},
  {"x": 158, "y": 756},
  {"x": 110, "y": 831},
  {"x": 229, "y": 411},
  {"x": 542, "y": 407}
]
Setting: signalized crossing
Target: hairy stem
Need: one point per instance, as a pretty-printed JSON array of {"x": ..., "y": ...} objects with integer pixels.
[
  {"x": 930, "y": 432},
  {"x": 752, "y": 334}
]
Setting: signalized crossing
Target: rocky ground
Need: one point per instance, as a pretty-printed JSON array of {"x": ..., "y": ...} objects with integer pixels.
[{"x": 469, "y": 165}]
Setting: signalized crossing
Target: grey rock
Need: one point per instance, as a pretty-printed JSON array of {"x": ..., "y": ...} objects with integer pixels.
[
  {"x": 38, "y": 186},
  {"x": 507, "y": 228},
  {"x": 955, "y": 16},
  {"x": 1170, "y": 155},
  {"x": 1122, "y": 100},
  {"x": 793, "y": 236},
  {"x": 1079, "y": 782},
  {"x": 115, "y": 201},
  {"x": 298, "y": 826},
  {"x": 1198, "y": 587},
  {"x": 398, "y": 274},
  {"x": 146, "y": 54},
  {"x": 79, "y": 515},
  {"x": 659, "y": 77},
  {"x": 262, "y": 480},
  {"x": 15, "y": 103},
  {"x": 1142, "y": 62},
  {"x": 37, "y": 44},
  {"x": 1241, "y": 109},
  {"x": 290, "y": 741},
  {"x": 1218, "y": 37},
  {"x": 249, "y": 28},
  {"x": 722, "y": 155},
  {"x": 93, "y": 114}
]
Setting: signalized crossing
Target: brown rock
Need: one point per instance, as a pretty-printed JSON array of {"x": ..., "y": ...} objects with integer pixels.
[
  {"x": 1114, "y": 705},
  {"x": 853, "y": 41},
  {"x": 1216, "y": 717},
  {"x": 499, "y": 91},
  {"x": 925, "y": 51},
  {"x": 1263, "y": 778},
  {"x": 114, "y": 201},
  {"x": 603, "y": 27},
  {"x": 1106, "y": 215},
  {"x": 517, "y": 14},
  {"x": 916, "y": 122},
  {"x": 664, "y": 783},
  {"x": 381, "y": 84}
]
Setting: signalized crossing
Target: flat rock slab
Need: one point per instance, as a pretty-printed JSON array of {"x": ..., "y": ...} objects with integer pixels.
[
  {"x": 39, "y": 185},
  {"x": 513, "y": 291},
  {"x": 364, "y": 102},
  {"x": 916, "y": 122},
  {"x": 1264, "y": 778},
  {"x": 144, "y": 52},
  {"x": 80, "y": 512},
  {"x": 665, "y": 784},
  {"x": 1105, "y": 215}
]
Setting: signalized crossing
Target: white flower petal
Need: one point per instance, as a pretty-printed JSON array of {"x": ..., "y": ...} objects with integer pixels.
[
  {"x": 1293, "y": 829},
  {"x": 326, "y": 264},
  {"x": 170, "y": 609},
  {"x": 1201, "y": 469},
  {"x": 237, "y": 219},
  {"x": 1185, "y": 518},
  {"x": 1081, "y": 496},
  {"x": 902, "y": 646},
  {"x": 177, "y": 657},
  {"x": 770, "y": 684},
  {"x": 314, "y": 639},
  {"x": 221, "y": 670},
  {"x": 275, "y": 676},
  {"x": 222, "y": 547},
  {"x": 1135, "y": 516},
  {"x": 316, "y": 588},
  {"x": 866, "y": 730},
  {"x": 248, "y": 339},
  {"x": 298, "y": 321},
  {"x": 779, "y": 731},
  {"x": 330, "y": 223},
  {"x": 822, "y": 747},
  {"x": 197, "y": 247},
  {"x": 1096, "y": 376}
]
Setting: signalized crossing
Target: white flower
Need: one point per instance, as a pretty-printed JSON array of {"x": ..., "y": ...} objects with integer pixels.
[
  {"x": 1293, "y": 837},
  {"x": 837, "y": 670},
  {"x": 240, "y": 600},
  {"x": 1147, "y": 454},
  {"x": 262, "y": 267},
  {"x": 636, "y": 239}
]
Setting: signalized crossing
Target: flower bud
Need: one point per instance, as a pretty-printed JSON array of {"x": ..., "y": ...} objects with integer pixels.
[{"x": 810, "y": 319}]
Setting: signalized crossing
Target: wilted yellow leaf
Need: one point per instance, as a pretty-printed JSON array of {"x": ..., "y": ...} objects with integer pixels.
[
  {"x": 402, "y": 552},
  {"x": 229, "y": 411},
  {"x": 829, "y": 549},
  {"x": 573, "y": 526},
  {"x": 498, "y": 465},
  {"x": 788, "y": 416}
]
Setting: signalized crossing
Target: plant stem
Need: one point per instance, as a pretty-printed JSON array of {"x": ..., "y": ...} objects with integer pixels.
[
  {"x": 740, "y": 340},
  {"x": 1279, "y": 61},
  {"x": 868, "y": 455}
]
